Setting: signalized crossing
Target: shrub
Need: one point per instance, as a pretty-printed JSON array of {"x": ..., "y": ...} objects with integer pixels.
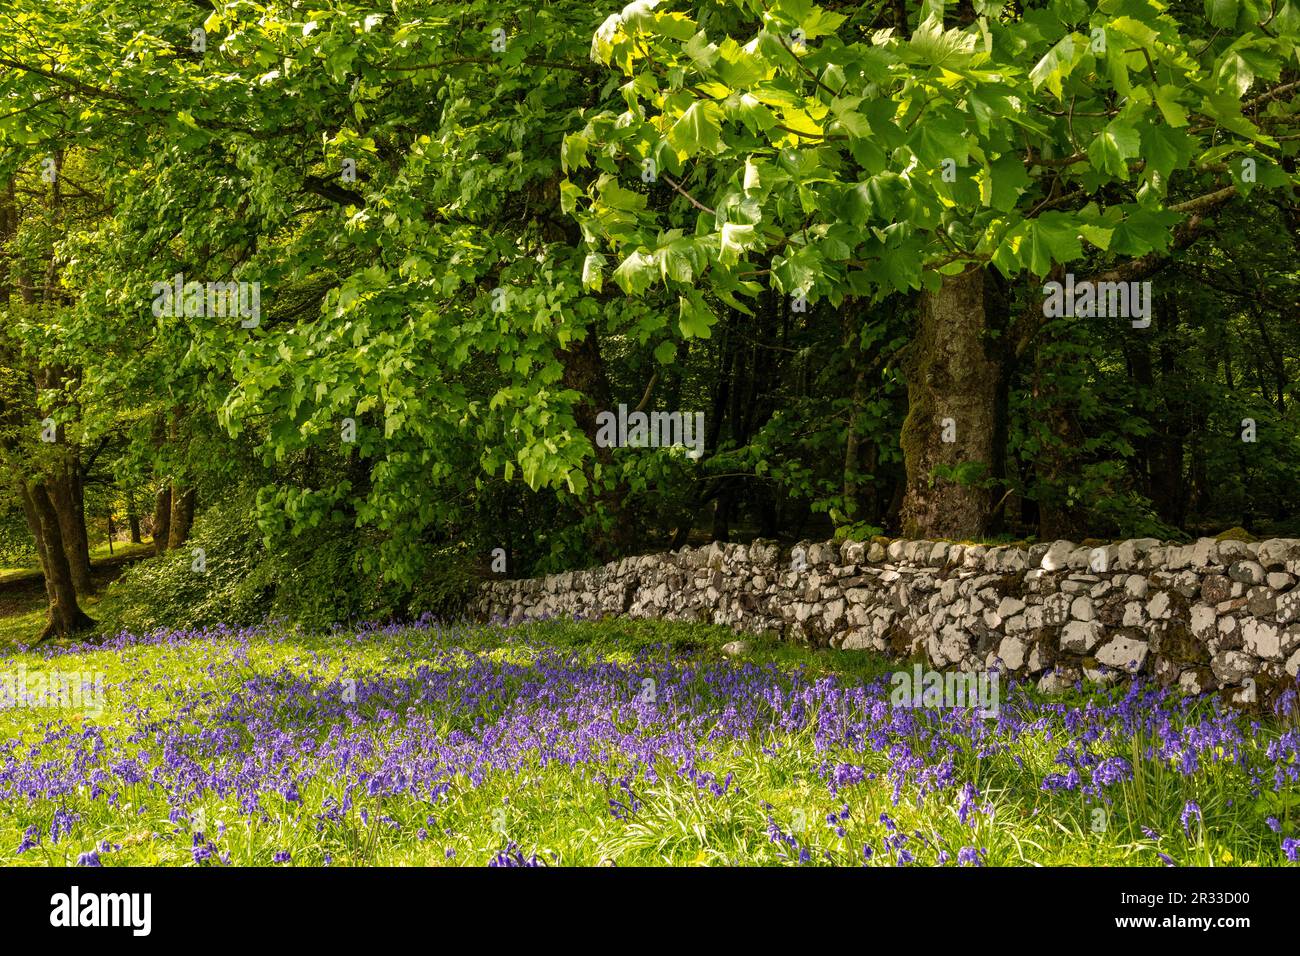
[{"x": 172, "y": 591}]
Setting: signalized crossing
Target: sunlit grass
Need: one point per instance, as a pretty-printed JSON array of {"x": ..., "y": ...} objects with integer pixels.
[{"x": 165, "y": 697}]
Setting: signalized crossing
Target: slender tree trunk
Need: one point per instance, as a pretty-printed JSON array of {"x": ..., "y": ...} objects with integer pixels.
[
  {"x": 133, "y": 519},
  {"x": 182, "y": 516},
  {"x": 953, "y": 380},
  {"x": 853, "y": 434},
  {"x": 162, "y": 519}
]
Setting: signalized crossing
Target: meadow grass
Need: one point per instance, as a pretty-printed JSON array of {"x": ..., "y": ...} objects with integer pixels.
[{"x": 473, "y": 745}]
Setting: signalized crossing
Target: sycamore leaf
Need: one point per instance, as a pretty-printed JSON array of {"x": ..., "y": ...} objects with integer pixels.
[
  {"x": 593, "y": 268},
  {"x": 698, "y": 130},
  {"x": 635, "y": 273},
  {"x": 1008, "y": 179},
  {"x": 1173, "y": 111},
  {"x": 1222, "y": 13},
  {"x": 736, "y": 238},
  {"x": 934, "y": 45},
  {"x": 1110, "y": 149},
  {"x": 1165, "y": 149},
  {"x": 695, "y": 319},
  {"x": 1058, "y": 62}
]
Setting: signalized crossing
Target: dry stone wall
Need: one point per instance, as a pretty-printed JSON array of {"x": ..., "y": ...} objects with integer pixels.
[{"x": 1213, "y": 614}]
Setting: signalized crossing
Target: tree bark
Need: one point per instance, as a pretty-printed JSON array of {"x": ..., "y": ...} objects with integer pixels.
[
  {"x": 584, "y": 372},
  {"x": 133, "y": 520},
  {"x": 182, "y": 516},
  {"x": 66, "y": 495},
  {"x": 162, "y": 519},
  {"x": 954, "y": 375},
  {"x": 65, "y": 616}
]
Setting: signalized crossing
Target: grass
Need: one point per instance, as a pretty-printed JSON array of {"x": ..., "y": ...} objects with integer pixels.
[
  {"x": 470, "y": 745},
  {"x": 24, "y": 607}
]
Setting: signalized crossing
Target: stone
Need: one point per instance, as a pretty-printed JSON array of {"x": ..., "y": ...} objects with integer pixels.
[
  {"x": 1009, "y": 607},
  {"x": 1135, "y": 585},
  {"x": 1204, "y": 553},
  {"x": 857, "y": 639},
  {"x": 1057, "y": 681},
  {"x": 1081, "y": 609},
  {"x": 1124, "y": 653},
  {"x": 1098, "y": 672},
  {"x": 1158, "y": 608},
  {"x": 1057, "y": 556},
  {"x": 1012, "y": 651},
  {"x": 1203, "y": 621},
  {"x": 1261, "y": 602},
  {"x": 1216, "y": 589},
  {"x": 1278, "y": 580},
  {"x": 1079, "y": 637},
  {"x": 1262, "y": 640},
  {"x": 1246, "y": 572},
  {"x": 1288, "y": 606},
  {"x": 1015, "y": 559},
  {"x": 1130, "y": 554},
  {"x": 1231, "y": 667},
  {"x": 822, "y": 553},
  {"x": 735, "y": 648},
  {"x": 1274, "y": 553},
  {"x": 1229, "y": 551}
]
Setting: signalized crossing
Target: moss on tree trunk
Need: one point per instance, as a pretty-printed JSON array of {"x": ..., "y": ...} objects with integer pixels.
[{"x": 954, "y": 381}]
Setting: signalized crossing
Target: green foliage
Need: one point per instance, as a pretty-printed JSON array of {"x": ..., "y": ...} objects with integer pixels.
[
  {"x": 621, "y": 208},
  {"x": 169, "y": 592}
]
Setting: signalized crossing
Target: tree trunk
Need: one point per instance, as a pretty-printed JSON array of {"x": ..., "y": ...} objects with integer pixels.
[
  {"x": 162, "y": 519},
  {"x": 65, "y": 493},
  {"x": 133, "y": 520},
  {"x": 65, "y": 617},
  {"x": 182, "y": 516},
  {"x": 853, "y": 432},
  {"x": 954, "y": 376},
  {"x": 584, "y": 372}
]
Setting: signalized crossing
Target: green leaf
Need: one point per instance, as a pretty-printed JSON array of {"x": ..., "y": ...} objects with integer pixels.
[
  {"x": 1110, "y": 149},
  {"x": 1008, "y": 180},
  {"x": 695, "y": 319},
  {"x": 635, "y": 273},
  {"x": 1052, "y": 237},
  {"x": 1057, "y": 64},
  {"x": 593, "y": 268},
  {"x": 1167, "y": 99},
  {"x": 1165, "y": 149},
  {"x": 1222, "y": 13},
  {"x": 573, "y": 152},
  {"x": 736, "y": 238},
  {"x": 698, "y": 130},
  {"x": 933, "y": 45}
]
